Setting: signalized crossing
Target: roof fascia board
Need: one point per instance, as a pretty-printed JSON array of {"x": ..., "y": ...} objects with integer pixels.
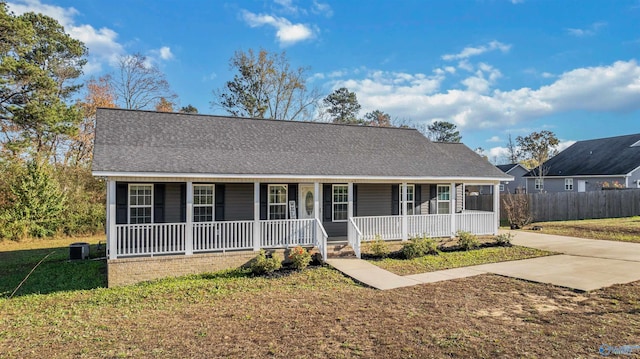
[{"x": 295, "y": 177}]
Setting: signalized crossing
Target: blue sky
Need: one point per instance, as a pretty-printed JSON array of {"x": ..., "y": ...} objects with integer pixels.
[{"x": 492, "y": 67}]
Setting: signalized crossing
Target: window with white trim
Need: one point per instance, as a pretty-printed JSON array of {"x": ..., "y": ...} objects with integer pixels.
[
  {"x": 203, "y": 203},
  {"x": 443, "y": 198},
  {"x": 277, "y": 201},
  {"x": 568, "y": 184},
  {"x": 340, "y": 203},
  {"x": 140, "y": 203},
  {"x": 501, "y": 187},
  {"x": 411, "y": 190},
  {"x": 539, "y": 184}
]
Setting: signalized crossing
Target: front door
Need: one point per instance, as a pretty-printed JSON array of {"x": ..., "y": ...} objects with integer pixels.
[
  {"x": 582, "y": 186},
  {"x": 305, "y": 205}
]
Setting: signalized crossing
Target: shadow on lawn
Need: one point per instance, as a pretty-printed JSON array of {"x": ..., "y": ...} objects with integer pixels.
[{"x": 55, "y": 274}]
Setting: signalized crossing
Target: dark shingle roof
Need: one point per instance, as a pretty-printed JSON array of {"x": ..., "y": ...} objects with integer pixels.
[
  {"x": 154, "y": 142},
  {"x": 602, "y": 156},
  {"x": 506, "y": 168}
]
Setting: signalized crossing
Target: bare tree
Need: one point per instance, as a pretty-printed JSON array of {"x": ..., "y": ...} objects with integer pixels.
[
  {"x": 138, "y": 84},
  {"x": 513, "y": 154},
  {"x": 266, "y": 87}
]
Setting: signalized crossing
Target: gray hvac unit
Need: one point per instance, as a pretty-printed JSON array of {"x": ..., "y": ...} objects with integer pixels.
[{"x": 79, "y": 250}]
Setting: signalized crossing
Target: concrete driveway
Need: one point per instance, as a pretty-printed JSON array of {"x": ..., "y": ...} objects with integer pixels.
[{"x": 585, "y": 264}]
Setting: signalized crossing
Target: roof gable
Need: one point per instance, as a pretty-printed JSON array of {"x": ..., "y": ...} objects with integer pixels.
[
  {"x": 603, "y": 156},
  {"x": 154, "y": 142}
]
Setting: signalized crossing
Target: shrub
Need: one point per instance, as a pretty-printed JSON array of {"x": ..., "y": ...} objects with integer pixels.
[
  {"x": 517, "y": 208},
  {"x": 504, "y": 239},
  {"x": 467, "y": 240},
  {"x": 300, "y": 257},
  {"x": 378, "y": 247},
  {"x": 265, "y": 264},
  {"x": 419, "y": 247}
]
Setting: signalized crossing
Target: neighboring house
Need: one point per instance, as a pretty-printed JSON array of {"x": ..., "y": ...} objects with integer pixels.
[
  {"x": 508, "y": 186},
  {"x": 591, "y": 165},
  {"x": 519, "y": 183},
  {"x": 183, "y": 184}
]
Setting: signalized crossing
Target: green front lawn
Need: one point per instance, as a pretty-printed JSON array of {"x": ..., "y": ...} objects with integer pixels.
[
  {"x": 448, "y": 260},
  {"x": 614, "y": 229}
]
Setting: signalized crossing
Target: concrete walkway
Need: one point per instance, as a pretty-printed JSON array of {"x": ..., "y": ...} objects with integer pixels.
[{"x": 585, "y": 264}]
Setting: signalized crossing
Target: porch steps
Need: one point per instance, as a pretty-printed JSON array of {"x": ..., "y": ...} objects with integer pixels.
[{"x": 340, "y": 250}]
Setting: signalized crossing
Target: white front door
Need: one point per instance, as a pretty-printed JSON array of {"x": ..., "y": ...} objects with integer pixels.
[
  {"x": 305, "y": 202},
  {"x": 582, "y": 186}
]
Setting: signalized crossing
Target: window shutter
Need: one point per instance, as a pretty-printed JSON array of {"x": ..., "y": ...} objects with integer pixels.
[
  {"x": 121, "y": 202},
  {"x": 395, "y": 200},
  {"x": 183, "y": 202},
  {"x": 417, "y": 197},
  {"x": 355, "y": 200},
  {"x": 292, "y": 195},
  {"x": 433, "y": 199},
  {"x": 264, "y": 196},
  {"x": 219, "y": 207},
  {"x": 327, "y": 200},
  {"x": 158, "y": 202}
]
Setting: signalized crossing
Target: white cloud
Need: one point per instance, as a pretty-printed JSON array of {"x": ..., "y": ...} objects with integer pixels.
[
  {"x": 589, "y": 31},
  {"x": 501, "y": 154},
  {"x": 494, "y": 139},
  {"x": 322, "y": 8},
  {"x": 102, "y": 43},
  {"x": 165, "y": 53},
  {"x": 287, "y": 33},
  {"x": 612, "y": 88},
  {"x": 468, "y": 52}
]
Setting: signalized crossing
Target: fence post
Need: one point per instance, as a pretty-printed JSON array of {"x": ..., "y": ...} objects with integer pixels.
[{"x": 496, "y": 208}]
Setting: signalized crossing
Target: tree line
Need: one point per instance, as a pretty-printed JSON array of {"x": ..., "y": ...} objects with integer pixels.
[{"x": 47, "y": 118}]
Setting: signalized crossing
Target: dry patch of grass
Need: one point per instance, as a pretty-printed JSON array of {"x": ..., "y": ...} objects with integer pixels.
[
  {"x": 613, "y": 229},
  {"x": 318, "y": 313}
]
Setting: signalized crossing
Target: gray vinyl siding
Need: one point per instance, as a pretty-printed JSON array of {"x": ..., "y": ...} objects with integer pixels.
[
  {"x": 172, "y": 197},
  {"x": 335, "y": 229},
  {"x": 556, "y": 184},
  {"x": 374, "y": 200},
  {"x": 238, "y": 201},
  {"x": 518, "y": 180}
]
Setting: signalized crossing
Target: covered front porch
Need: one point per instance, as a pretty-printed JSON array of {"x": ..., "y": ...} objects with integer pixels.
[{"x": 157, "y": 216}]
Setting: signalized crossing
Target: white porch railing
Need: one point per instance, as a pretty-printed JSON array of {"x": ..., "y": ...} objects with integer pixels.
[
  {"x": 150, "y": 239},
  {"x": 354, "y": 236},
  {"x": 321, "y": 239},
  {"x": 232, "y": 235},
  {"x": 284, "y": 233},
  {"x": 387, "y": 227},
  {"x": 430, "y": 225},
  {"x": 476, "y": 222}
]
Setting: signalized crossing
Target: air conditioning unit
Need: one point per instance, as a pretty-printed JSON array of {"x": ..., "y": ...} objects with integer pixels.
[{"x": 79, "y": 250}]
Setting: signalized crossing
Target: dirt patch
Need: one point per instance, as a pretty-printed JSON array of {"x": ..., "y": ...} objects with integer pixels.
[{"x": 318, "y": 313}]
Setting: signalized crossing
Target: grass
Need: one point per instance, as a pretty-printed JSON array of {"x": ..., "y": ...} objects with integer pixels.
[
  {"x": 56, "y": 272},
  {"x": 613, "y": 229},
  {"x": 314, "y": 313},
  {"x": 448, "y": 260}
]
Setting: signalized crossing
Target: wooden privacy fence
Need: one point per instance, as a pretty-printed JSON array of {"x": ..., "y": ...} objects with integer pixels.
[{"x": 564, "y": 206}]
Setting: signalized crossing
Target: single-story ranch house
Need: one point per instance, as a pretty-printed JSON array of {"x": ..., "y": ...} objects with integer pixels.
[{"x": 190, "y": 193}]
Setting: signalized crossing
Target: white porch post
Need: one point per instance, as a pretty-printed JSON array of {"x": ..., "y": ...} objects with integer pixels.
[
  {"x": 350, "y": 200},
  {"x": 452, "y": 208},
  {"x": 405, "y": 221},
  {"x": 111, "y": 220},
  {"x": 496, "y": 208},
  {"x": 316, "y": 200},
  {"x": 256, "y": 216},
  {"x": 188, "y": 245}
]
